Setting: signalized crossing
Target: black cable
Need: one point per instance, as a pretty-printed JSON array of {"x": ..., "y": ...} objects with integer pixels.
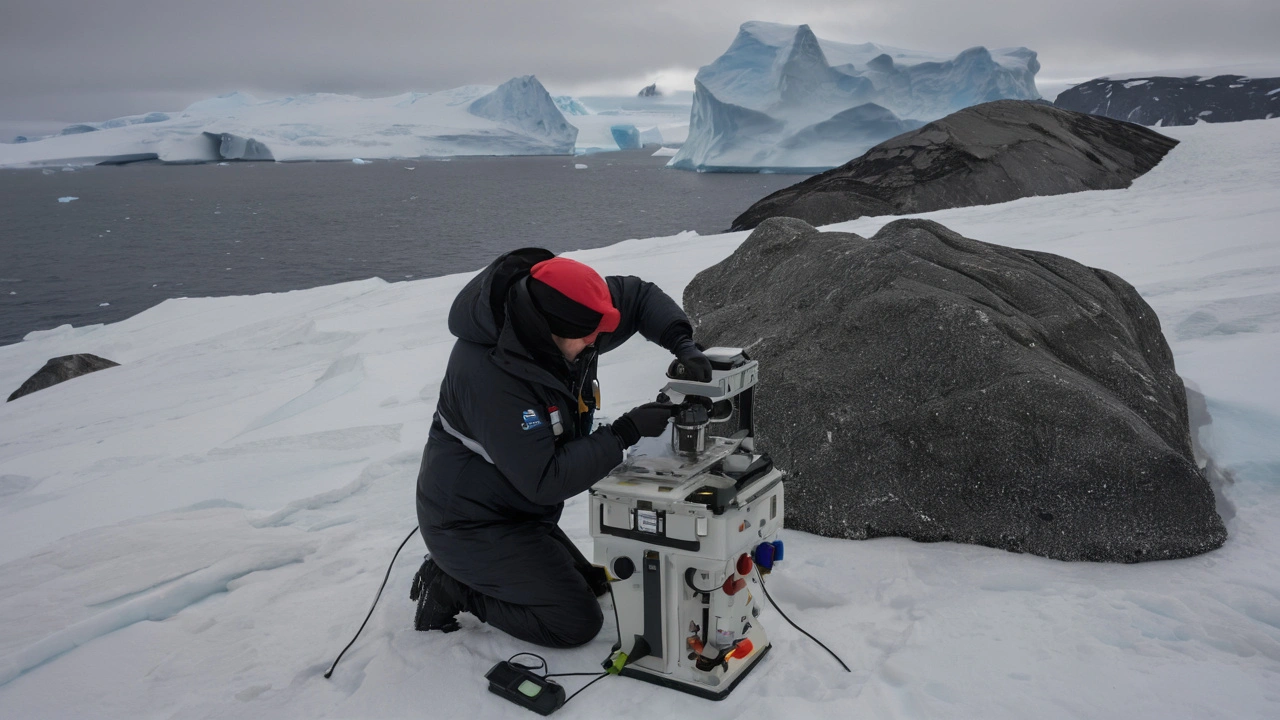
[
  {"x": 688, "y": 580},
  {"x": 584, "y": 687},
  {"x": 375, "y": 602},
  {"x": 530, "y": 668},
  {"x": 617, "y": 625},
  {"x": 784, "y": 617}
]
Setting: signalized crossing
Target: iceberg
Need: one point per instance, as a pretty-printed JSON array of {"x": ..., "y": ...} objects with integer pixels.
[
  {"x": 523, "y": 103},
  {"x": 570, "y": 106},
  {"x": 518, "y": 117},
  {"x": 651, "y": 136},
  {"x": 781, "y": 99},
  {"x": 627, "y": 136}
]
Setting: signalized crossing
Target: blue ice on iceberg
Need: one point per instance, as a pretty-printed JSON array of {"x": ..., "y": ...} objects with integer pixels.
[
  {"x": 569, "y": 105},
  {"x": 782, "y": 99}
]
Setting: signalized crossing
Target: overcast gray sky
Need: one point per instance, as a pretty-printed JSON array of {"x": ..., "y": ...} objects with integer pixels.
[{"x": 95, "y": 59}]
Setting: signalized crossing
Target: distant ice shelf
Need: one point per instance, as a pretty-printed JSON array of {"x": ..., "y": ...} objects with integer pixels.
[{"x": 518, "y": 117}]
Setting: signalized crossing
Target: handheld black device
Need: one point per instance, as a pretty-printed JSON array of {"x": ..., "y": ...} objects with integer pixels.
[{"x": 525, "y": 688}]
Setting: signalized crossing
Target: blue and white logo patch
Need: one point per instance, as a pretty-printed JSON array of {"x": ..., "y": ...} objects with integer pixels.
[{"x": 530, "y": 420}]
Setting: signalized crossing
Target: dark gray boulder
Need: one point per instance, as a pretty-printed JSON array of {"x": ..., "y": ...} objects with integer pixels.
[
  {"x": 1176, "y": 101},
  {"x": 990, "y": 153},
  {"x": 926, "y": 385},
  {"x": 233, "y": 147},
  {"x": 61, "y": 369}
]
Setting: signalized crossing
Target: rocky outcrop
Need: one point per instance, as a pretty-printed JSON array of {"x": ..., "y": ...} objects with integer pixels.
[
  {"x": 927, "y": 385},
  {"x": 61, "y": 369},
  {"x": 989, "y": 153},
  {"x": 234, "y": 147},
  {"x": 1176, "y": 101},
  {"x": 649, "y": 91}
]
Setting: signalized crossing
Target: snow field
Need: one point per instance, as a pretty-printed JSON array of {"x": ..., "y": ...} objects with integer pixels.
[{"x": 197, "y": 532}]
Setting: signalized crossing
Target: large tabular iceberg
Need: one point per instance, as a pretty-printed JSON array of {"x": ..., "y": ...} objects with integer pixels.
[
  {"x": 780, "y": 99},
  {"x": 517, "y": 118}
]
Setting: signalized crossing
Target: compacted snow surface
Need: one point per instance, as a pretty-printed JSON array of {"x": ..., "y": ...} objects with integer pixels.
[{"x": 197, "y": 532}]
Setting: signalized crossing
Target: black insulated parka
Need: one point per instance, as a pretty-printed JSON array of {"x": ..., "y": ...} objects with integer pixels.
[{"x": 511, "y": 441}]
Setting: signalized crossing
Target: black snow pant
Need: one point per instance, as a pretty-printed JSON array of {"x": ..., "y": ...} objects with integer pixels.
[{"x": 540, "y": 595}]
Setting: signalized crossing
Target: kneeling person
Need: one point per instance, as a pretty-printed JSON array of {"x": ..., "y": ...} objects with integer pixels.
[{"x": 512, "y": 440}]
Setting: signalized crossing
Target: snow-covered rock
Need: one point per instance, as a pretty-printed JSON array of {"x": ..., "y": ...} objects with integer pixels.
[
  {"x": 782, "y": 99},
  {"x": 516, "y": 118},
  {"x": 1162, "y": 100},
  {"x": 649, "y": 91}
]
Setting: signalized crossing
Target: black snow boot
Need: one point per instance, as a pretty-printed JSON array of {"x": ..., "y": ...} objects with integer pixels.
[{"x": 437, "y": 606}]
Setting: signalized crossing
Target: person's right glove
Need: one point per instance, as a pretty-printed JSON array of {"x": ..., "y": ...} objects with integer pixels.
[
  {"x": 648, "y": 420},
  {"x": 696, "y": 365}
]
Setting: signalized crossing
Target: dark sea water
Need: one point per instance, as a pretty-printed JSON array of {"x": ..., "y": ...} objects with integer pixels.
[{"x": 142, "y": 233}]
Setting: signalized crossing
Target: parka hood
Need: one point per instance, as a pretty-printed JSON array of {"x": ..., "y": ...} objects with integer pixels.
[{"x": 478, "y": 313}]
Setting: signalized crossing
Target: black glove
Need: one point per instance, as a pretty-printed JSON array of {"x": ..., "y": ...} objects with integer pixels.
[
  {"x": 648, "y": 420},
  {"x": 696, "y": 365}
]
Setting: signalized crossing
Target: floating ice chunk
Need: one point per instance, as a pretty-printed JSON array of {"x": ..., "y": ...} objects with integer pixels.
[
  {"x": 67, "y": 199},
  {"x": 666, "y": 152},
  {"x": 410, "y": 168},
  {"x": 104, "y": 304},
  {"x": 68, "y": 168},
  {"x": 650, "y": 136},
  {"x": 579, "y": 166},
  {"x": 78, "y": 129},
  {"x": 359, "y": 161},
  {"x": 627, "y": 136},
  {"x": 223, "y": 164},
  {"x": 47, "y": 171}
]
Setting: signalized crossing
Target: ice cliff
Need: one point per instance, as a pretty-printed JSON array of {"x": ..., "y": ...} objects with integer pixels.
[{"x": 782, "y": 99}]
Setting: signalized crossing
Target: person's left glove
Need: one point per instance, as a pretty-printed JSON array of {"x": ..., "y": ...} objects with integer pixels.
[{"x": 696, "y": 365}]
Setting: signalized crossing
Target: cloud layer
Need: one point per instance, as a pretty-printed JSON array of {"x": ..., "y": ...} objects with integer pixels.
[{"x": 86, "y": 59}]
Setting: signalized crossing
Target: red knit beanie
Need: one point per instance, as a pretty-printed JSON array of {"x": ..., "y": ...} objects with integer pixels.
[{"x": 579, "y": 284}]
